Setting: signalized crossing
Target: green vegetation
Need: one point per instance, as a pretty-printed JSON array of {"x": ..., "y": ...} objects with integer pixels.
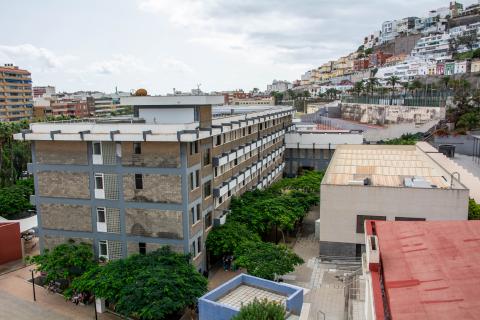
[
  {"x": 15, "y": 199},
  {"x": 473, "y": 210},
  {"x": 152, "y": 286},
  {"x": 466, "y": 111},
  {"x": 65, "y": 262},
  {"x": 261, "y": 310},
  {"x": 368, "y": 51},
  {"x": 265, "y": 259},
  {"x": 257, "y": 215},
  {"x": 405, "y": 139},
  {"x": 473, "y": 54},
  {"x": 224, "y": 240}
]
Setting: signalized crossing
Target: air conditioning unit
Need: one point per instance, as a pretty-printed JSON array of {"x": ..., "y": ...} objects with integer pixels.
[{"x": 220, "y": 220}]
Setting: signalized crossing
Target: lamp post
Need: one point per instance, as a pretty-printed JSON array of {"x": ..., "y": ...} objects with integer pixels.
[
  {"x": 95, "y": 306},
  {"x": 33, "y": 286}
]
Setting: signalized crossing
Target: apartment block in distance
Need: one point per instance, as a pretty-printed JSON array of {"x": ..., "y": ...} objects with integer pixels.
[
  {"x": 162, "y": 177},
  {"x": 16, "y": 101},
  {"x": 385, "y": 182}
]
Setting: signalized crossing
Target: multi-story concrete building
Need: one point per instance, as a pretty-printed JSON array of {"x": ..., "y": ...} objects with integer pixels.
[
  {"x": 163, "y": 177},
  {"x": 16, "y": 102},
  {"x": 44, "y": 91},
  {"x": 382, "y": 182},
  {"x": 310, "y": 148},
  {"x": 433, "y": 47},
  {"x": 279, "y": 86}
]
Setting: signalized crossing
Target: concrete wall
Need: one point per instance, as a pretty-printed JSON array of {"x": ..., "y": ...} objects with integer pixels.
[
  {"x": 156, "y": 188},
  {"x": 54, "y": 152},
  {"x": 385, "y": 114},
  {"x": 154, "y": 223},
  {"x": 154, "y": 154},
  {"x": 63, "y": 184},
  {"x": 50, "y": 241},
  {"x": 463, "y": 144},
  {"x": 66, "y": 217},
  {"x": 11, "y": 244},
  {"x": 340, "y": 206},
  {"x": 132, "y": 247}
]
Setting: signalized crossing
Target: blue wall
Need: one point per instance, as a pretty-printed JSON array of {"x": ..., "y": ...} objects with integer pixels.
[{"x": 211, "y": 310}]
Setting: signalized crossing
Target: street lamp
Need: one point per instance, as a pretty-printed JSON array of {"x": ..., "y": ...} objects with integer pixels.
[{"x": 33, "y": 285}]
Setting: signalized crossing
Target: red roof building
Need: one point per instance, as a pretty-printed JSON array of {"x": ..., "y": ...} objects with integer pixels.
[{"x": 422, "y": 269}]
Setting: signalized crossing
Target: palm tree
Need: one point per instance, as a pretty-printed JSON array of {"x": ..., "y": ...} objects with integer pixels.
[
  {"x": 393, "y": 80},
  {"x": 372, "y": 83},
  {"x": 359, "y": 87}
]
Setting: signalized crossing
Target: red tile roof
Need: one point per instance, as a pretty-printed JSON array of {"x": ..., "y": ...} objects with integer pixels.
[
  {"x": 12, "y": 70},
  {"x": 431, "y": 269}
]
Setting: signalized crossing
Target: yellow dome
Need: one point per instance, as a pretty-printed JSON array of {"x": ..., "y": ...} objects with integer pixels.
[{"x": 141, "y": 92}]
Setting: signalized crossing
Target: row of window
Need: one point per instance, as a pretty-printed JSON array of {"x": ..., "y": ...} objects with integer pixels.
[
  {"x": 196, "y": 215},
  {"x": 97, "y": 148},
  {"x": 103, "y": 248},
  {"x": 99, "y": 177}
]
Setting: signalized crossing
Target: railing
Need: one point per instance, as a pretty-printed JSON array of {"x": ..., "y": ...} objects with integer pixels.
[{"x": 398, "y": 100}]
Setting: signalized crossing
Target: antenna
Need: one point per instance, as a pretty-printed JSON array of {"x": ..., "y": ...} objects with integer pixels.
[{"x": 198, "y": 88}]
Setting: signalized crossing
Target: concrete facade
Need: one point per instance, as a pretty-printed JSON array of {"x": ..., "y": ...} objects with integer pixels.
[
  {"x": 384, "y": 196},
  {"x": 137, "y": 185}
]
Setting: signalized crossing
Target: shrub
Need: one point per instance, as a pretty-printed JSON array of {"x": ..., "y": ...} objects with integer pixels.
[{"x": 261, "y": 310}]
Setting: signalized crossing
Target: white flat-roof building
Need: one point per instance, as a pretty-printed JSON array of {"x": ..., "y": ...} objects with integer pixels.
[{"x": 384, "y": 182}]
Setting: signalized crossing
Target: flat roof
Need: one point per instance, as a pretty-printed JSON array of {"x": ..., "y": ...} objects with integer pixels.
[
  {"x": 387, "y": 166},
  {"x": 245, "y": 294},
  {"x": 136, "y": 129},
  {"x": 431, "y": 269},
  {"x": 178, "y": 100}
]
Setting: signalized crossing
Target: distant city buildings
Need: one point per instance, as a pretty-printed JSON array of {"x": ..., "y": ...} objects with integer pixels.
[
  {"x": 279, "y": 86},
  {"x": 43, "y": 91},
  {"x": 16, "y": 101}
]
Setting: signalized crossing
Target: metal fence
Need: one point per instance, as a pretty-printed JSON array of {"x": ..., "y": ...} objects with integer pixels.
[{"x": 398, "y": 100}]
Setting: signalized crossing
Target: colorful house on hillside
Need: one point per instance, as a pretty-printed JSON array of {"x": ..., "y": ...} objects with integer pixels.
[
  {"x": 440, "y": 68},
  {"x": 475, "y": 66},
  {"x": 449, "y": 68},
  {"x": 462, "y": 66}
]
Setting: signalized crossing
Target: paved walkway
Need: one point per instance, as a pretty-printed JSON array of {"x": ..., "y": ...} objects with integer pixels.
[
  {"x": 16, "y": 302},
  {"x": 322, "y": 281}
]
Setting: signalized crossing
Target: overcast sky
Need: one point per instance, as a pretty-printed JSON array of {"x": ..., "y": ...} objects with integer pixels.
[{"x": 164, "y": 44}]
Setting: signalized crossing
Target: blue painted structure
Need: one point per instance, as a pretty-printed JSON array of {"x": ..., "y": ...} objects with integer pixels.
[{"x": 210, "y": 309}]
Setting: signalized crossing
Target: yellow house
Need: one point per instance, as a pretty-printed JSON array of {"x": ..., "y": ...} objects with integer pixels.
[{"x": 475, "y": 67}]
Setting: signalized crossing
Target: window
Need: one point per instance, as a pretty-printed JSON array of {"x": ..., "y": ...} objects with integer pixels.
[
  {"x": 194, "y": 179},
  {"x": 102, "y": 248},
  {"x": 101, "y": 215},
  {"x": 142, "y": 248},
  {"x": 243, "y": 132},
  {"x": 409, "y": 219},
  {"x": 196, "y": 213},
  {"x": 216, "y": 171},
  {"x": 137, "y": 148},
  {"x": 207, "y": 189},
  {"x": 361, "y": 221},
  {"x": 250, "y": 130},
  {"x": 138, "y": 181},
  {"x": 199, "y": 245},
  {"x": 208, "y": 221},
  {"x": 193, "y": 147},
  {"x": 97, "y": 148},
  {"x": 219, "y": 140},
  {"x": 206, "y": 157},
  {"x": 98, "y": 181}
]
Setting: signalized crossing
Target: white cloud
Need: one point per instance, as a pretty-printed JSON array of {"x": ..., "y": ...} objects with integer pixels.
[
  {"x": 34, "y": 56},
  {"x": 119, "y": 63},
  {"x": 176, "y": 65}
]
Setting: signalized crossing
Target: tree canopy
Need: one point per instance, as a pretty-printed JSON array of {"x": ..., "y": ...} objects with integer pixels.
[
  {"x": 261, "y": 310},
  {"x": 266, "y": 260},
  {"x": 16, "y": 199},
  {"x": 151, "y": 286},
  {"x": 224, "y": 240},
  {"x": 65, "y": 262}
]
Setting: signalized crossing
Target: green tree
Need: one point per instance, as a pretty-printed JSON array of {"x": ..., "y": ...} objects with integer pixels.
[
  {"x": 65, "y": 262},
  {"x": 266, "y": 260},
  {"x": 469, "y": 120},
  {"x": 368, "y": 51},
  {"x": 15, "y": 199},
  {"x": 359, "y": 87},
  {"x": 473, "y": 210},
  {"x": 157, "y": 285},
  {"x": 372, "y": 83},
  {"x": 223, "y": 240},
  {"x": 261, "y": 310}
]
